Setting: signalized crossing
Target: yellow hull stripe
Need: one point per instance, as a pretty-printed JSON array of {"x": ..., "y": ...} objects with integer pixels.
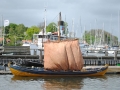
[{"x": 20, "y": 73}]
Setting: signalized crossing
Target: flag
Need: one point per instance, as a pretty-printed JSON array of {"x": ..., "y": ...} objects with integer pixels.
[{"x": 6, "y": 23}]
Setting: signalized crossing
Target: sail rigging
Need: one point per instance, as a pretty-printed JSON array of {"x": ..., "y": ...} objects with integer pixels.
[{"x": 63, "y": 55}]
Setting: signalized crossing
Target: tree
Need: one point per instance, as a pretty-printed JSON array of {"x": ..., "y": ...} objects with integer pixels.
[
  {"x": 20, "y": 29},
  {"x": 52, "y": 27},
  {"x": 30, "y": 31},
  {"x": 12, "y": 29},
  {"x": 91, "y": 33}
]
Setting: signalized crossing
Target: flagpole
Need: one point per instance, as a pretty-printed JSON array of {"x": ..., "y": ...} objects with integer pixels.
[
  {"x": 2, "y": 26},
  {"x": 6, "y": 23}
]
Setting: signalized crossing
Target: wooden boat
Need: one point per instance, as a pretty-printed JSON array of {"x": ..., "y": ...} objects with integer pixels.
[
  {"x": 27, "y": 71},
  {"x": 61, "y": 58},
  {"x": 65, "y": 60}
]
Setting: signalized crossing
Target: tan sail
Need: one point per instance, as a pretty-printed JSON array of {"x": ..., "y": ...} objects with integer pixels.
[{"x": 63, "y": 55}]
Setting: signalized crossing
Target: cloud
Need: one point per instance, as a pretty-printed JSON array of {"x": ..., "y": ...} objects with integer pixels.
[{"x": 31, "y": 12}]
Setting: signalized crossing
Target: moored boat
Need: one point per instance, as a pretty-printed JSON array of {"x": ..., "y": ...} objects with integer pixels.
[
  {"x": 61, "y": 58},
  {"x": 64, "y": 60},
  {"x": 27, "y": 71}
]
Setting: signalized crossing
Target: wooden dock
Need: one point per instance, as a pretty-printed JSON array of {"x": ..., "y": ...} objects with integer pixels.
[
  {"x": 111, "y": 69},
  {"x": 3, "y": 72}
]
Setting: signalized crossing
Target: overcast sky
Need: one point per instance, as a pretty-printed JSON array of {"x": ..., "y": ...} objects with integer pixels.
[{"x": 91, "y": 13}]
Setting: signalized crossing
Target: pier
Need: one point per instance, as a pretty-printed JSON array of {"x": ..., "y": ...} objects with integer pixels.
[
  {"x": 90, "y": 59},
  {"x": 24, "y": 53}
]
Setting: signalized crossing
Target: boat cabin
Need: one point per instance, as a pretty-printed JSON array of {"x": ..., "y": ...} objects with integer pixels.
[{"x": 43, "y": 37}]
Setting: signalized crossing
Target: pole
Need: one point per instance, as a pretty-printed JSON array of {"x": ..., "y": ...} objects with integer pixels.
[
  {"x": 59, "y": 26},
  {"x": 45, "y": 22},
  {"x": 2, "y": 29},
  {"x": 90, "y": 35},
  {"x": 3, "y": 35},
  {"x": 118, "y": 25},
  {"x": 73, "y": 28}
]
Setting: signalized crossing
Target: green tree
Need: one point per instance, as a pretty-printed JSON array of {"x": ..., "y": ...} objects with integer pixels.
[
  {"x": 20, "y": 29},
  {"x": 91, "y": 35},
  {"x": 30, "y": 31},
  {"x": 12, "y": 29},
  {"x": 52, "y": 27}
]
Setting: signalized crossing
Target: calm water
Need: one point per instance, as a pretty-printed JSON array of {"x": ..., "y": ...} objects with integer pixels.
[{"x": 107, "y": 82}]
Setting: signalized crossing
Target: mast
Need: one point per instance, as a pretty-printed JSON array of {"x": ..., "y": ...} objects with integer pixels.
[
  {"x": 2, "y": 27},
  {"x": 84, "y": 35},
  {"x": 59, "y": 26},
  {"x": 65, "y": 27},
  {"x": 103, "y": 36},
  {"x": 73, "y": 28},
  {"x": 95, "y": 33},
  {"x": 81, "y": 30},
  {"x": 45, "y": 21},
  {"x": 90, "y": 35},
  {"x": 111, "y": 42},
  {"x": 118, "y": 26}
]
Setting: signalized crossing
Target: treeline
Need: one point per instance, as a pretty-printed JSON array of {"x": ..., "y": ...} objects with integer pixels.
[
  {"x": 100, "y": 37},
  {"x": 15, "y": 33}
]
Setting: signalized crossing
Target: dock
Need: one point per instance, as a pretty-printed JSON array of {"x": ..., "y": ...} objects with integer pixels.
[
  {"x": 90, "y": 59},
  {"x": 3, "y": 72},
  {"x": 111, "y": 69}
]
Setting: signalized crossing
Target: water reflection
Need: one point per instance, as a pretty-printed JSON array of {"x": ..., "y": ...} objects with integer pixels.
[
  {"x": 58, "y": 82},
  {"x": 54, "y": 82},
  {"x": 63, "y": 83}
]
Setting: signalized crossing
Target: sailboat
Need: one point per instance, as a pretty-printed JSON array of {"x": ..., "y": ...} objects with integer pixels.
[{"x": 61, "y": 58}]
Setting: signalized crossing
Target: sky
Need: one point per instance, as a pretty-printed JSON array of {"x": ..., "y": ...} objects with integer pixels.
[{"x": 79, "y": 14}]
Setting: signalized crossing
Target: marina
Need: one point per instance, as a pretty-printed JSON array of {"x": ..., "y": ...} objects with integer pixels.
[
  {"x": 90, "y": 60},
  {"x": 60, "y": 45}
]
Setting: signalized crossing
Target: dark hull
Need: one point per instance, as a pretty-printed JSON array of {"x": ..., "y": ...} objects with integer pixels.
[
  {"x": 25, "y": 71},
  {"x": 31, "y": 63}
]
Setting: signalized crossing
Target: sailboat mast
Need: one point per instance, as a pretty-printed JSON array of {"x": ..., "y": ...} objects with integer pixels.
[
  {"x": 73, "y": 28},
  {"x": 118, "y": 25},
  {"x": 59, "y": 26},
  {"x": 45, "y": 22},
  {"x": 90, "y": 35},
  {"x": 103, "y": 35},
  {"x": 111, "y": 42},
  {"x": 95, "y": 33}
]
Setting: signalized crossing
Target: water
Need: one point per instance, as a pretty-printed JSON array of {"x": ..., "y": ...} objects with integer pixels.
[{"x": 107, "y": 82}]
